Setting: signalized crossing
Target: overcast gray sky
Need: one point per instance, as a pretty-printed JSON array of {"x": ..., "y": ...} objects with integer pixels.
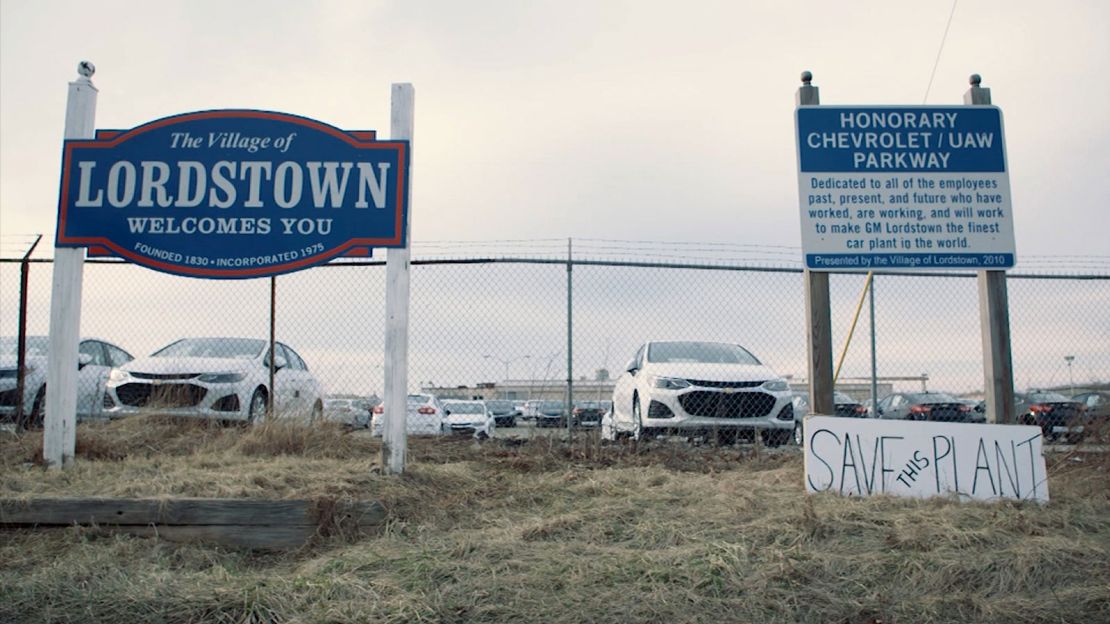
[{"x": 640, "y": 120}]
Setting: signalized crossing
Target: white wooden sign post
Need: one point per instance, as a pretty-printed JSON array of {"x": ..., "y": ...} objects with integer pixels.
[
  {"x": 395, "y": 411},
  {"x": 60, "y": 424}
]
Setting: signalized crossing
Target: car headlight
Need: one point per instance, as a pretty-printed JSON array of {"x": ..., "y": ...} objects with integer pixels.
[
  {"x": 669, "y": 383},
  {"x": 118, "y": 376},
  {"x": 776, "y": 385},
  {"x": 221, "y": 377}
]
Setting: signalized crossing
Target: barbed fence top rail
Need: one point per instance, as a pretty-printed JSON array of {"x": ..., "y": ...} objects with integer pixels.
[{"x": 709, "y": 256}]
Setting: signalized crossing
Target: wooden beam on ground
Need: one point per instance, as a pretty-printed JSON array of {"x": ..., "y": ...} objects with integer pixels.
[{"x": 261, "y": 524}]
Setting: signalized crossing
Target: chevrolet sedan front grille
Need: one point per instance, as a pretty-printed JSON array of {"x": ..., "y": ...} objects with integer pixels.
[
  {"x": 164, "y": 377},
  {"x": 166, "y": 395},
  {"x": 727, "y": 405}
]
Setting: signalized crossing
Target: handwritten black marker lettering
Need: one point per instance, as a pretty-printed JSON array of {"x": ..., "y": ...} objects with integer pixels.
[
  {"x": 981, "y": 454},
  {"x": 1000, "y": 460},
  {"x": 847, "y": 457},
  {"x": 882, "y": 455},
  {"x": 937, "y": 457},
  {"x": 1032, "y": 461},
  {"x": 813, "y": 449}
]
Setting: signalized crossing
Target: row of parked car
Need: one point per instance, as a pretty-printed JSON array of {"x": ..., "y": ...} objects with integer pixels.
[
  {"x": 722, "y": 390},
  {"x": 676, "y": 387},
  {"x": 428, "y": 414},
  {"x": 221, "y": 378}
]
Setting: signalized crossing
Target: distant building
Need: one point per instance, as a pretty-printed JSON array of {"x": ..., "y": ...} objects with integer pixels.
[{"x": 525, "y": 389}]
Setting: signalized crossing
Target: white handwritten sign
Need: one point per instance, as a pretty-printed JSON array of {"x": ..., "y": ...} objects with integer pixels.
[{"x": 864, "y": 457}]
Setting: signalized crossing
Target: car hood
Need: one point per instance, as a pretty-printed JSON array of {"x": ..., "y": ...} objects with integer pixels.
[
  {"x": 712, "y": 372},
  {"x": 466, "y": 419},
  {"x": 10, "y": 362},
  {"x": 182, "y": 365}
]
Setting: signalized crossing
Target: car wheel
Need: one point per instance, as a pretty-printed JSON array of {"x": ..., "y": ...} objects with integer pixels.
[
  {"x": 256, "y": 411},
  {"x": 799, "y": 435},
  {"x": 38, "y": 410}
]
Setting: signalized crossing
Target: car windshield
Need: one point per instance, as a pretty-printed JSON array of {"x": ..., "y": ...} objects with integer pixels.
[
  {"x": 36, "y": 345},
  {"x": 593, "y": 404},
  {"x": 840, "y": 397},
  {"x": 223, "y": 348},
  {"x": 1049, "y": 397},
  {"x": 499, "y": 405},
  {"x": 416, "y": 399},
  {"x": 698, "y": 353},
  {"x": 464, "y": 408},
  {"x": 551, "y": 405},
  {"x": 933, "y": 397},
  {"x": 338, "y": 402}
]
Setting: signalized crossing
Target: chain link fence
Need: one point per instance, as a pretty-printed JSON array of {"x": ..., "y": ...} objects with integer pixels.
[{"x": 489, "y": 320}]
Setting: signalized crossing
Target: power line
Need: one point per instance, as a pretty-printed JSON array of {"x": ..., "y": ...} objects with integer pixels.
[{"x": 936, "y": 62}]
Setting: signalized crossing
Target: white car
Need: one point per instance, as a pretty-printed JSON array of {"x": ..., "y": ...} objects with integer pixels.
[
  {"x": 220, "y": 378},
  {"x": 530, "y": 410},
  {"x": 95, "y": 358},
  {"x": 350, "y": 412},
  {"x": 693, "y": 388},
  {"x": 471, "y": 417},
  {"x": 425, "y": 415}
]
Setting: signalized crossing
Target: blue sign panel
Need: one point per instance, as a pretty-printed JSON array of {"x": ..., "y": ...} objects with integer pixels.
[
  {"x": 914, "y": 187},
  {"x": 233, "y": 193},
  {"x": 921, "y": 139}
]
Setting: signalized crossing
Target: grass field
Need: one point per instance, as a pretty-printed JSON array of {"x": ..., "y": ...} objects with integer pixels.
[{"x": 542, "y": 532}]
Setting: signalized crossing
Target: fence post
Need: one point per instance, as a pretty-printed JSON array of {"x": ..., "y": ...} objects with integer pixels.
[
  {"x": 273, "y": 350},
  {"x": 818, "y": 314},
  {"x": 21, "y": 340},
  {"x": 395, "y": 388},
  {"x": 569, "y": 408},
  {"x": 60, "y": 426},
  {"x": 994, "y": 316}
]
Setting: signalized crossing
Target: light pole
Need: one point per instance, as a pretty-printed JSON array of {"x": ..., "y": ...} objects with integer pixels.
[
  {"x": 1071, "y": 382},
  {"x": 506, "y": 362}
]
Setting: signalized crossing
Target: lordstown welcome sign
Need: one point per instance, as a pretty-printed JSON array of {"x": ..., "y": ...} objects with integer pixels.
[{"x": 233, "y": 193}]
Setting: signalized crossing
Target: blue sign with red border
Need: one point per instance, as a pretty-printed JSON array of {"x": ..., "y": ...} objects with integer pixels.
[{"x": 229, "y": 194}]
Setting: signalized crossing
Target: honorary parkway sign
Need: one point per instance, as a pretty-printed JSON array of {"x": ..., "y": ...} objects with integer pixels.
[
  {"x": 233, "y": 193},
  {"x": 922, "y": 187}
]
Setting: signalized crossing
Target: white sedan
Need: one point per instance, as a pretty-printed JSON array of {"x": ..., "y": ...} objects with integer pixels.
[
  {"x": 693, "y": 388},
  {"x": 95, "y": 358},
  {"x": 471, "y": 417},
  {"x": 220, "y": 378},
  {"x": 425, "y": 415},
  {"x": 349, "y": 412}
]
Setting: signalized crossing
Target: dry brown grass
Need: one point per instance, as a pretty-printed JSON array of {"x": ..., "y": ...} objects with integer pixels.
[{"x": 543, "y": 532}]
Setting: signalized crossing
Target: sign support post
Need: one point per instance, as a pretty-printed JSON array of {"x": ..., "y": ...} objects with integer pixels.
[
  {"x": 994, "y": 316},
  {"x": 395, "y": 388},
  {"x": 818, "y": 313},
  {"x": 60, "y": 424}
]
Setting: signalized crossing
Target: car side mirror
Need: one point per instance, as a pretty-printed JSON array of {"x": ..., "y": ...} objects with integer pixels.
[
  {"x": 83, "y": 360},
  {"x": 446, "y": 412},
  {"x": 631, "y": 367},
  {"x": 280, "y": 363}
]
